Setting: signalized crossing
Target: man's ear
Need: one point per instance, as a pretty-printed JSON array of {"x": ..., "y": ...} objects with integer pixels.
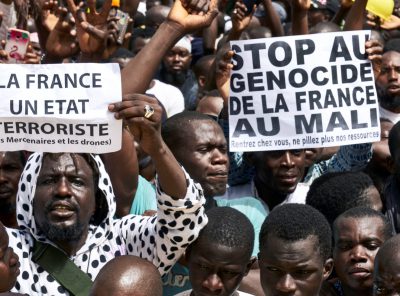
[
  {"x": 250, "y": 264},
  {"x": 328, "y": 267}
]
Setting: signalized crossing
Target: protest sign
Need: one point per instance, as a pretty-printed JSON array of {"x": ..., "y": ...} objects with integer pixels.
[
  {"x": 59, "y": 108},
  {"x": 301, "y": 92}
]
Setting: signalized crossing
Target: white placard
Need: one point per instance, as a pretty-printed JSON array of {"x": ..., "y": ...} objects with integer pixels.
[
  {"x": 301, "y": 92},
  {"x": 59, "y": 108}
]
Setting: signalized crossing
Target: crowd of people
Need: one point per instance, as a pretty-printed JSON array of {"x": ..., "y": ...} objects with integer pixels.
[{"x": 174, "y": 212}]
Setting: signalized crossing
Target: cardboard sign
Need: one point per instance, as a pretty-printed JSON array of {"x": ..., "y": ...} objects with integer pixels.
[
  {"x": 301, "y": 92},
  {"x": 59, "y": 108}
]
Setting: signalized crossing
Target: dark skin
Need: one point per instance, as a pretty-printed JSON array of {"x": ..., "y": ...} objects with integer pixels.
[
  {"x": 180, "y": 21},
  {"x": 9, "y": 264},
  {"x": 65, "y": 197},
  {"x": 216, "y": 269},
  {"x": 11, "y": 167},
  {"x": 357, "y": 240},
  {"x": 293, "y": 268},
  {"x": 129, "y": 275},
  {"x": 387, "y": 270},
  {"x": 277, "y": 174},
  {"x": 204, "y": 156}
]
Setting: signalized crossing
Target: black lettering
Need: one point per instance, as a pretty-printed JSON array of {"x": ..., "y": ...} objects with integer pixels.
[
  {"x": 314, "y": 76},
  {"x": 243, "y": 127},
  {"x": 303, "y": 77},
  {"x": 301, "y": 51},
  {"x": 252, "y": 80},
  {"x": 272, "y": 54},
  {"x": 339, "y": 50},
  {"x": 314, "y": 123},
  {"x": 255, "y": 53},
  {"x": 234, "y": 105},
  {"x": 262, "y": 129},
  {"x": 237, "y": 59},
  {"x": 237, "y": 83},
  {"x": 336, "y": 121}
]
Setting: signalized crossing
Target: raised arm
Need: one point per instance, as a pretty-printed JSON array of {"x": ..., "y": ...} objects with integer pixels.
[
  {"x": 272, "y": 19},
  {"x": 146, "y": 128},
  {"x": 355, "y": 17},
  {"x": 122, "y": 166},
  {"x": 136, "y": 76},
  {"x": 299, "y": 16}
]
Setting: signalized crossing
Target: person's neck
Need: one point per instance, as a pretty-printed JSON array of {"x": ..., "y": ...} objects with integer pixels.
[
  {"x": 9, "y": 219},
  {"x": 351, "y": 292},
  {"x": 210, "y": 203},
  {"x": 394, "y": 109},
  {"x": 71, "y": 247},
  {"x": 271, "y": 197}
]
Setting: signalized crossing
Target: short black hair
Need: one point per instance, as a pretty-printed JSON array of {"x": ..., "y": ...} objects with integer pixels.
[
  {"x": 175, "y": 128},
  {"x": 362, "y": 212},
  {"x": 228, "y": 227},
  {"x": 392, "y": 45},
  {"x": 394, "y": 138},
  {"x": 295, "y": 222},
  {"x": 334, "y": 193}
]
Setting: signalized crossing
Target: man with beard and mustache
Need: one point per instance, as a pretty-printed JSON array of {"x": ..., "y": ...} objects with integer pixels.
[
  {"x": 66, "y": 206},
  {"x": 175, "y": 70},
  {"x": 388, "y": 85}
]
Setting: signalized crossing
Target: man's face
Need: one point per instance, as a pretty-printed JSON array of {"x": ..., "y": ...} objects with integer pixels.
[
  {"x": 357, "y": 240},
  {"x": 10, "y": 171},
  {"x": 280, "y": 171},
  {"x": 177, "y": 60},
  {"x": 215, "y": 269},
  {"x": 64, "y": 199},
  {"x": 387, "y": 275},
  {"x": 9, "y": 265},
  {"x": 388, "y": 81},
  {"x": 292, "y": 268},
  {"x": 205, "y": 156}
]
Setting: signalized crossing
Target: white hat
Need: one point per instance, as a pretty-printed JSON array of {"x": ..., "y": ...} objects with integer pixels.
[{"x": 185, "y": 43}]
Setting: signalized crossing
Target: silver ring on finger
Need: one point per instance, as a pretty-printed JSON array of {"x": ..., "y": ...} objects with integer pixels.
[{"x": 149, "y": 111}]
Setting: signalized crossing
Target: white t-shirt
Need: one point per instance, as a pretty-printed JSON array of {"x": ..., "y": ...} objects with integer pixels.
[
  {"x": 384, "y": 113},
  {"x": 170, "y": 96}
]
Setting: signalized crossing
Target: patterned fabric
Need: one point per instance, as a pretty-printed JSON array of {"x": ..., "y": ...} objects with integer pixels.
[
  {"x": 161, "y": 239},
  {"x": 348, "y": 158}
]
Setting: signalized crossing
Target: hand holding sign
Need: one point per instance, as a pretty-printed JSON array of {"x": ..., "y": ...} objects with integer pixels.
[
  {"x": 145, "y": 125},
  {"x": 374, "y": 50}
]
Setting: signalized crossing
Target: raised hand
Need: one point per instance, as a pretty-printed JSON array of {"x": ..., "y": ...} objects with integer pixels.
[
  {"x": 62, "y": 41},
  {"x": 144, "y": 125},
  {"x": 240, "y": 18},
  {"x": 92, "y": 26},
  {"x": 301, "y": 5},
  {"x": 374, "y": 51},
  {"x": 189, "y": 19},
  {"x": 392, "y": 23}
]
